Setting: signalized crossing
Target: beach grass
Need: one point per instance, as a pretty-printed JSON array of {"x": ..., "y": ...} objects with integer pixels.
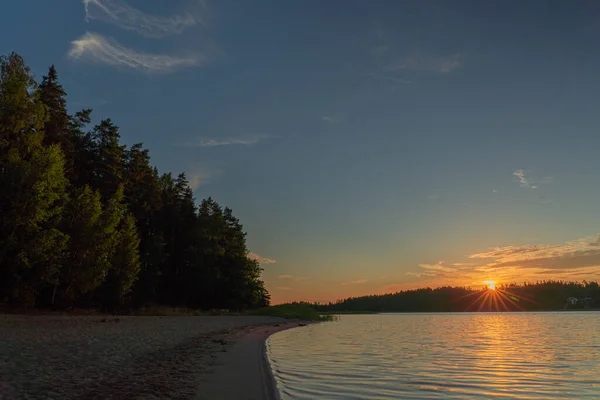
[
  {"x": 348, "y": 312},
  {"x": 291, "y": 311},
  {"x": 179, "y": 312},
  {"x": 287, "y": 311}
]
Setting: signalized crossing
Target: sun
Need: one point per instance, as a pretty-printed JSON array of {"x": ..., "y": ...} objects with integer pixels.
[{"x": 490, "y": 284}]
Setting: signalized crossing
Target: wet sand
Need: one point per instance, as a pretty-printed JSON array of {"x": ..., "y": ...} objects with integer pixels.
[{"x": 243, "y": 371}]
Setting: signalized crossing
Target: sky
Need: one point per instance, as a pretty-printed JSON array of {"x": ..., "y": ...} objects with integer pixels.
[{"x": 367, "y": 147}]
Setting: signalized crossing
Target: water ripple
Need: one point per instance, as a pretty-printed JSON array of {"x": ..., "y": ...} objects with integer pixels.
[{"x": 432, "y": 356}]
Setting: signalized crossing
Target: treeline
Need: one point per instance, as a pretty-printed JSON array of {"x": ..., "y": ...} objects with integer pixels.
[
  {"x": 86, "y": 221},
  {"x": 544, "y": 295}
]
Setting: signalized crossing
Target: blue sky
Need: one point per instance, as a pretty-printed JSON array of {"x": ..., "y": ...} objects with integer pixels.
[{"x": 366, "y": 146}]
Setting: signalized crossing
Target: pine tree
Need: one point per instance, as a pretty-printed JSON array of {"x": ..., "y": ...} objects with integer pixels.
[
  {"x": 56, "y": 128},
  {"x": 125, "y": 265},
  {"x": 83, "y": 149},
  {"x": 86, "y": 258},
  {"x": 107, "y": 159},
  {"x": 143, "y": 197},
  {"x": 32, "y": 188}
]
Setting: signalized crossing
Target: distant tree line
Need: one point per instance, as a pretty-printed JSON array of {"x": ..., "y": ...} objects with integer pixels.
[
  {"x": 86, "y": 221},
  {"x": 544, "y": 295}
]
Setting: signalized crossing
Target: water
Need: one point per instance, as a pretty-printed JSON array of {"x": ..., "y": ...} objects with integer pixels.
[{"x": 425, "y": 356}]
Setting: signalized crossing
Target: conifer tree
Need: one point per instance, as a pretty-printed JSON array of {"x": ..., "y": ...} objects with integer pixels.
[{"x": 32, "y": 187}]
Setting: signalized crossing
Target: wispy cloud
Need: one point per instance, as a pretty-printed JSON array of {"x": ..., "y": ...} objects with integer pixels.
[
  {"x": 261, "y": 259},
  {"x": 198, "y": 176},
  {"x": 124, "y": 16},
  {"x": 427, "y": 63},
  {"x": 244, "y": 140},
  {"x": 579, "y": 253},
  {"x": 97, "y": 48},
  {"x": 357, "y": 282},
  {"x": 524, "y": 181},
  {"x": 575, "y": 260},
  {"x": 461, "y": 264},
  {"x": 421, "y": 274},
  {"x": 285, "y": 277},
  {"x": 438, "y": 267},
  {"x": 283, "y": 288}
]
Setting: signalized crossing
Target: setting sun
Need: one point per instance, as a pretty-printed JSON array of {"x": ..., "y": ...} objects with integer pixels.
[{"x": 490, "y": 284}]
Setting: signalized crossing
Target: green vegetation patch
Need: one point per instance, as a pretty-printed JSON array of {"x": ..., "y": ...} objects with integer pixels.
[{"x": 291, "y": 311}]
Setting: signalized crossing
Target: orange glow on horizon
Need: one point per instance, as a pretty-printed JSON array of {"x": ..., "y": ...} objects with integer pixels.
[{"x": 490, "y": 284}]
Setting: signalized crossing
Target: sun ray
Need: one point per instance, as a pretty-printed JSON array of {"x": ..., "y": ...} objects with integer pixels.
[
  {"x": 474, "y": 302},
  {"x": 501, "y": 300}
]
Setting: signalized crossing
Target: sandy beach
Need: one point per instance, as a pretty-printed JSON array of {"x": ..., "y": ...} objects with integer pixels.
[{"x": 94, "y": 357}]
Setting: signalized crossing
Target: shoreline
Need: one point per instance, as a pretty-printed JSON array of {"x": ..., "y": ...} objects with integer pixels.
[
  {"x": 92, "y": 357},
  {"x": 244, "y": 372}
]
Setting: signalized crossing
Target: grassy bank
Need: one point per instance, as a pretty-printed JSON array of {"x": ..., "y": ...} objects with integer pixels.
[
  {"x": 348, "y": 312},
  {"x": 291, "y": 311},
  {"x": 288, "y": 311},
  {"x": 178, "y": 311}
]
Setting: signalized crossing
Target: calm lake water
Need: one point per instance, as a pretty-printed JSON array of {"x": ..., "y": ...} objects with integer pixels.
[{"x": 424, "y": 356}]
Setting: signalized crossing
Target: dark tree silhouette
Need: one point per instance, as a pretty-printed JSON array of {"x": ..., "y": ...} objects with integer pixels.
[
  {"x": 544, "y": 295},
  {"x": 87, "y": 221}
]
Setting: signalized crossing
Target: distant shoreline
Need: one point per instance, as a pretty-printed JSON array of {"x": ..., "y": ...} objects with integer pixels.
[{"x": 453, "y": 312}]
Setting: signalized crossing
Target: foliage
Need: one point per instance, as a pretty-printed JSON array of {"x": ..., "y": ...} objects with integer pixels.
[
  {"x": 292, "y": 311},
  {"x": 32, "y": 188},
  {"x": 86, "y": 221}
]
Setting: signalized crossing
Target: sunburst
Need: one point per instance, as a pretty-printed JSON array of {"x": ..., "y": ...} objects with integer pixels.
[{"x": 495, "y": 298}]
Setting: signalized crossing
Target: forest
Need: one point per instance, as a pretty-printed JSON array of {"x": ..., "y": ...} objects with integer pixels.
[
  {"x": 86, "y": 221},
  {"x": 538, "y": 296}
]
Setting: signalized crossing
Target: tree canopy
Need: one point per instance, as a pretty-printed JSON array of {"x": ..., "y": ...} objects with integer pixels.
[{"x": 87, "y": 221}]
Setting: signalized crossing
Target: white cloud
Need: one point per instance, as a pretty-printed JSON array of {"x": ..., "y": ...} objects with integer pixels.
[
  {"x": 97, "y": 48},
  {"x": 357, "y": 282},
  {"x": 241, "y": 140},
  {"x": 122, "y": 15},
  {"x": 200, "y": 176},
  {"x": 261, "y": 259},
  {"x": 524, "y": 181},
  {"x": 228, "y": 142},
  {"x": 427, "y": 63},
  {"x": 527, "y": 181},
  {"x": 437, "y": 267}
]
